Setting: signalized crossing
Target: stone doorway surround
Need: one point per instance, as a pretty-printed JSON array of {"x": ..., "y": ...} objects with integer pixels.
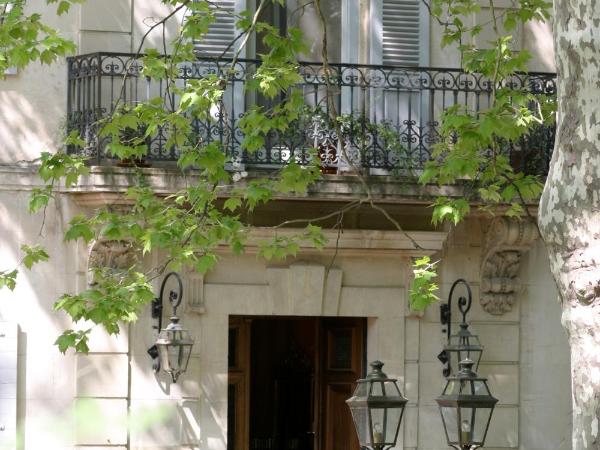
[{"x": 310, "y": 289}]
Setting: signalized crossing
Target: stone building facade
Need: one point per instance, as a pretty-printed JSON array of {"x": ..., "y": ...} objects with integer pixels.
[{"x": 56, "y": 401}]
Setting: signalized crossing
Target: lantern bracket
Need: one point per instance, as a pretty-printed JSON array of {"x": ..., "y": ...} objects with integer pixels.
[
  {"x": 175, "y": 298},
  {"x": 464, "y": 305}
]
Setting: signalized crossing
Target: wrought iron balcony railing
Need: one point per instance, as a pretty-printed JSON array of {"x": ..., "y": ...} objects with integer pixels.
[{"x": 389, "y": 116}]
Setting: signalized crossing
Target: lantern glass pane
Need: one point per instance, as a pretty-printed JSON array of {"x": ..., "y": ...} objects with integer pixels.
[
  {"x": 377, "y": 389},
  {"x": 480, "y": 388},
  {"x": 391, "y": 388},
  {"x": 361, "y": 390},
  {"x": 163, "y": 354},
  {"x": 393, "y": 417},
  {"x": 450, "y": 419},
  {"x": 481, "y": 425},
  {"x": 466, "y": 425},
  {"x": 361, "y": 423},
  {"x": 461, "y": 347},
  {"x": 379, "y": 421},
  {"x": 452, "y": 387}
]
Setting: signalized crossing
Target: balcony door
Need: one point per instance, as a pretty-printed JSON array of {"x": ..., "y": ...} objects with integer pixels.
[
  {"x": 399, "y": 41},
  {"x": 289, "y": 378}
]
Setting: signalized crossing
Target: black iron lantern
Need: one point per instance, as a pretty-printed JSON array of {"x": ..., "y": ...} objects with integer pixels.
[
  {"x": 377, "y": 407},
  {"x": 173, "y": 348},
  {"x": 466, "y": 406},
  {"x": 462, "y": 345}
]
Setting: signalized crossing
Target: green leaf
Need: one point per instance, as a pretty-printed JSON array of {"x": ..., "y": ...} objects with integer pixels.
[
  {"x": 205, "y": 263},
  {"x": 78, "y": 340},
  {"x": 63, "y": 7},
  {"x": 33, "y": 255},
  {"x": 79, "y": 228},
  {"x": 423, "y": 289},
  {"x": 8, "y": 279},
  {"x": 39, "y": 198},
  {"x": 232, "y": 203}
]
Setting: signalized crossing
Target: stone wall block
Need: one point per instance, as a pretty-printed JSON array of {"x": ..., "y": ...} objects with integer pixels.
[
  {"x": 213, "y": 346},
  {"x": 101, "y": 421},
  {"x": 106, "y": 15},
  {"x": 97, "y": 41},
  {"x": 504, "y": 428},
  {"x": 333, "y": 290},
  {"x": 410, "y": 429},
  {"x": 102, "y": 342},
  {"x": 372, "y": 302},
  {"x": 431, "y": 382},
  {"x": 145, "y": 384},
  {"x": 460, "y": 261},
  {"x": 431, "y": 429},
  {"x": 392, "y": 331},
  {"x": 500, "y": 341},
  {"x": 164, "y": 423},
  {"x": 411, "y": 382},
  {"x": 503, "y": 381},
  {"x": 102, "y": 375},
  {"x": 306, "y": 284},
  {"x": 278, "y": 290},
  {"x": 432, "y": 341},
  {"x": 411, "y": 339}
]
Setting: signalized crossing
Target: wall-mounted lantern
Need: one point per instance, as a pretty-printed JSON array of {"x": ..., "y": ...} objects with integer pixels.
[
  {"x": 171, "y": 351},
  {"x": 466, "y": 406},
  {"x": 462, "y": 345},
  {"x": 377, "y": 407}
]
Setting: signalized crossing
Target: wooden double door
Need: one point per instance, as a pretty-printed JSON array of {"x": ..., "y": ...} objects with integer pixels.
[{"x": 289, "y": 378}]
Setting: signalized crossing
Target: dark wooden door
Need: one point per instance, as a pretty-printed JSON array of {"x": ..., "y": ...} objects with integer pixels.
[
  {"x": 259, "y": 357},
  {"x": 342, "y": 363},
  {"x": 238, "y": 386}
]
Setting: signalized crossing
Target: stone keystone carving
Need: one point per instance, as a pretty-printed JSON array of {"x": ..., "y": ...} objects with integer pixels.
[
  {"x": 116, "y": 255},
  {"x": 506, "y": 241}
]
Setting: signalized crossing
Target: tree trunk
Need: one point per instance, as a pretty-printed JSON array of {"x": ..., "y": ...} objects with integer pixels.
[{"x": 569, "y": 215}]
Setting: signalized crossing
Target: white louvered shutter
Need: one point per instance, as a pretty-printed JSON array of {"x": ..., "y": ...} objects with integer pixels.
[
  {"x": 401, "y": 33},
  {"x": 221, "y": 32}
]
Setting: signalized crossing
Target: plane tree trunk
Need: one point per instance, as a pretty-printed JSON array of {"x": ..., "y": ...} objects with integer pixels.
[{"x": 569, "y": 214}]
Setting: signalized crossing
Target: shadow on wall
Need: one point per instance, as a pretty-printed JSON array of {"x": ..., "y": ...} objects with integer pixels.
[{"x": 32, "y": 112}]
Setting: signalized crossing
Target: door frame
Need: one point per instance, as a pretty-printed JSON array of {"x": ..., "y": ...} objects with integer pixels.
[{"x": 239, "y": 371}]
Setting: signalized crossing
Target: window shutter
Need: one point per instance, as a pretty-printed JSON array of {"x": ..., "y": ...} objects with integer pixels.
[
  {"x": 221, "y": 32},
  {"x": 401, "y": 34}
]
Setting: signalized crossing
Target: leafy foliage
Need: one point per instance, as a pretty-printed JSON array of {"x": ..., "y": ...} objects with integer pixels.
[
  {"x": 423, "y": 289},
  {"x": 25, "y": 39},
  {"x": 191, "y": 225},
  {"x": 469, "y": 153}
]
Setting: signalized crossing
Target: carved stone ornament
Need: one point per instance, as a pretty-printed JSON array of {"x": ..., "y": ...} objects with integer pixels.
[
  {"x": 506, "y": 241},
  {"x": 115, "y": 255}
]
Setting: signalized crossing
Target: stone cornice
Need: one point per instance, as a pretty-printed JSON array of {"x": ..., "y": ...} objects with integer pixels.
[{"x": 358, "y": 242}]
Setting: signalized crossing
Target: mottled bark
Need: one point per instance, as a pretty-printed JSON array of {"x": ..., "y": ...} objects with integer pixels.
[{"x": 569, "y": 215}]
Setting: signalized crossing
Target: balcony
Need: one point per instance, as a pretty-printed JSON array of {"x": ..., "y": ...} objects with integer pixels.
[{"x": 389, "y": 116}]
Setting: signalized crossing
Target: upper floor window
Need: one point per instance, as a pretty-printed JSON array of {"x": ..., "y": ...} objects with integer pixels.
[{"x": 389, "y": 32}]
